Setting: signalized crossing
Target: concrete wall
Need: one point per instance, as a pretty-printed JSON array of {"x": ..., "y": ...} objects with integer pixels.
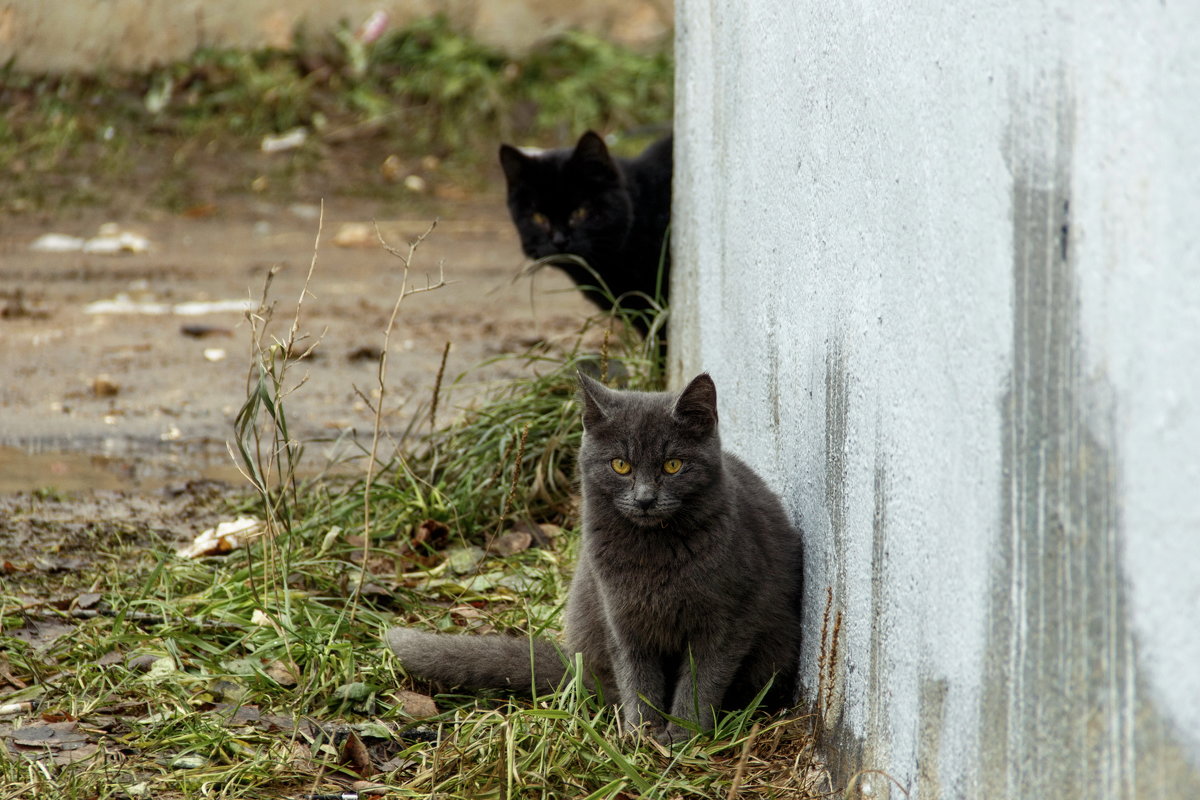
[
  {"x": 943, "y": 261},
  {"x": 83, "y": 35}
]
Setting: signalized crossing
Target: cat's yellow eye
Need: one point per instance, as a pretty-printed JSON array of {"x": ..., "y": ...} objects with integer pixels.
[
  {"x": 579, "y": 215},
  {"x": 672, "y": 465},
  {"x": 621, "y": 466},
  {"x": 540, "y": 220}
]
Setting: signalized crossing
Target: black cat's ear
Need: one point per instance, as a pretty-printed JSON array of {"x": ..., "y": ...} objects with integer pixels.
[
  {"x": 696, "y": 407},
  {"x": 594, "y": 395},
  {"x": 591, "y": 153},
  {"x": 513, "y": 161}
]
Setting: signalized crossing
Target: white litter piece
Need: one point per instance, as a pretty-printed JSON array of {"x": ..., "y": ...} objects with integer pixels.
[
  {"x": 57, "y": 243},
  {"x": 373, "y": 28},
  {"x": 196, "y": 308},
  {"x": 285, "y": 141},
  {"x": 355, "y": 234},
  {"x": 110, "y": 240},
  {"x": 124, "y": 304},
  {"x": 214, "y": 354},
  {"x": 116, "y": 243},
  {"x": 223, "y": 538}
]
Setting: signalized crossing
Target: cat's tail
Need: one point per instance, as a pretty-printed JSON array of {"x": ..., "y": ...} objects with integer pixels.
[{"x": 509, "y": 663}]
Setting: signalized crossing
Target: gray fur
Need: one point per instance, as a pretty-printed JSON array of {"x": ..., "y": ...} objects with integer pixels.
[{"x": 695, "y": 573}]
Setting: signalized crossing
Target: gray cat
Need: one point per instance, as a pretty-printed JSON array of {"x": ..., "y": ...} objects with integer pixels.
[{"x": 686, "y": 595}]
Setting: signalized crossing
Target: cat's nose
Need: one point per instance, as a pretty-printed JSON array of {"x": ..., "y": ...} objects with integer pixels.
[
  {"x": 644, "y": 503},
  {"x": 558, "y": 239}
]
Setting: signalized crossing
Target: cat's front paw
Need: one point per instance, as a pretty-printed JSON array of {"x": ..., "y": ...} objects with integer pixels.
[{"x": 672, "y": 734}]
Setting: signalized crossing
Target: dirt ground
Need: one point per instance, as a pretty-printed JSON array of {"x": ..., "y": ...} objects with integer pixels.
[{"x": 101, "y": 397}]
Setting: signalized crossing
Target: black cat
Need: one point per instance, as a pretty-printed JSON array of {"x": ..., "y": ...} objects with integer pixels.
[{"x": 610, "y": 212}]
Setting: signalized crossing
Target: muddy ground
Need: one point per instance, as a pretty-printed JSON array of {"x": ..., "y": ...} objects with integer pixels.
[{"x": 112, "y": 398}]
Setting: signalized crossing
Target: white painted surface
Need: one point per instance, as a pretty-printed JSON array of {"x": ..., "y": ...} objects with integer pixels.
[{"x": 861, "y": 191}]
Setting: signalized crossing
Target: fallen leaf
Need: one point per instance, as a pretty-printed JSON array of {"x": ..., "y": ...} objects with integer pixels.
[
  {"x": 141, "y": 662},
  {"x": 550, "y": 531},
  {"x": 414, "y": 704},
  {"x": 204, "y": 331},
  {"x": 365, "y": 352},
  {"x": 431, "y": 534},
  {"x": 282, "y": 674},
  {"x": 87, "y": 599},
  {"x": 355, "y": 234},
  {"x": 53, "y": 734},
  {"x": 510, "y": 543},
  {"x": 462, "y": 560},
  {"x": 200, "y": 211},
  {"x": 75, "y": 755},
  {"x": 42, "y": 634},
  {"x": 353, "y": 692},
  {"x": 104, "y": 386},
  {"x": 239, "y": 715},
  {"x": 353, "y": 754}
]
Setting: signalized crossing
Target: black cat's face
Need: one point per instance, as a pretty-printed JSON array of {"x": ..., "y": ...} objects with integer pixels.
[
  {"x": 648, "y": 456},
  {"x": 568, "y": 202}
]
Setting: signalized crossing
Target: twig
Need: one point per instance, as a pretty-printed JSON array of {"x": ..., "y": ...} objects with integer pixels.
[{"x": 406, "y": 259}]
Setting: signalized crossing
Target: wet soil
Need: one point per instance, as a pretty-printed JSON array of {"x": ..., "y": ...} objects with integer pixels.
[{"x": 96, "y": 399}]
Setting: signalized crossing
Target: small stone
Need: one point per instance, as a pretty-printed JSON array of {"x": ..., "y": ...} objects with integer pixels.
[{"x": 104, "y": 386}]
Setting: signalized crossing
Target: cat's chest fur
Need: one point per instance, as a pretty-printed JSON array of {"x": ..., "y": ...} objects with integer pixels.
[{"x": 660, "y": 594}]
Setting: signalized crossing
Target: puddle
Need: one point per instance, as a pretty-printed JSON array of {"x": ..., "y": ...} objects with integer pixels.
[{"x": 36, "y": 466}]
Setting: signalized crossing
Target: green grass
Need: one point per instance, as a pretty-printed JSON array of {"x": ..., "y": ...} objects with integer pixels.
[
  {"x": 261, "y": 673},
  {"x": 190, "y": 132},
  {"x": 278, "y": 631}
]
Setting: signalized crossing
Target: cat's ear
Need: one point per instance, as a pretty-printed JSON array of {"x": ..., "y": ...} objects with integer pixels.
[
  {"x": 595, "y": 396},
  {"x": 696, "y": 407},
  {"x": 513, "y": 161},
  {"x": 591, "y": 153}
]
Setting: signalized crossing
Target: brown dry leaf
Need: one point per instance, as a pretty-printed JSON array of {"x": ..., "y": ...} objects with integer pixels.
[
  {"x": 104, "y": 386},
  {"x": 87, "y": 599},
  {"x": 52, "y": 734},
  {"x": 510, "y": 543},
  {"x": 551, "y": 532},
  {"x": 110, "y": 658},
  {"x": 353, "y": 754},
  {"x": 431, "y": 533},
  {"x": 467, "y": 612},
  {"x": 42, "y": 634},
  {"x": 414, "y": 704},
  {"x": 76, "y": 754},
  {"x": 282, "y": 674},
  {"x": 6, "y": 673},
  {"x": 299, "y": 756}
]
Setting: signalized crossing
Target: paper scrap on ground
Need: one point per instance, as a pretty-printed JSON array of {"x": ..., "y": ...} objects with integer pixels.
[
  {"x": 223, "y": 538},
  {"x": 109, "y": 240},
  {"x": 124, "y": 304}
]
